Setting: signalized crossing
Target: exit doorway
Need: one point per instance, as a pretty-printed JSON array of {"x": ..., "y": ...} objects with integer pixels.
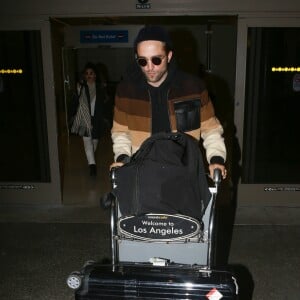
[{"x": 205, "y": 46}]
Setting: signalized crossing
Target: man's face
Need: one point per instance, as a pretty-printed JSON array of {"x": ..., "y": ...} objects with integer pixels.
[{"x": 155, "y": 74}]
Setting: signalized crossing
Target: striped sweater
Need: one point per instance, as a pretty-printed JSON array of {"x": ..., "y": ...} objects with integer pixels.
[{"x": 133, "y": 113}]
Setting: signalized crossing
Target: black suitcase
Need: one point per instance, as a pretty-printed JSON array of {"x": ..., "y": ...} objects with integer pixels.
[{"x": 143, "y": 281}]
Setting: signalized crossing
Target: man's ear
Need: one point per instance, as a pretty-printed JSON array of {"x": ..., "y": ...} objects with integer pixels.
[{"x": 170, "y": 54}]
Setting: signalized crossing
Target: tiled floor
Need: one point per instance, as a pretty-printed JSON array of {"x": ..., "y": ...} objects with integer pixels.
[
  {"x": 40, "y": 246},
  {"x": 80, "y": 188}
]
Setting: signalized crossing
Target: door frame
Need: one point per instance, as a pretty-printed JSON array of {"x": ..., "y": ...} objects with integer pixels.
[{"x": 258, "y": 194}]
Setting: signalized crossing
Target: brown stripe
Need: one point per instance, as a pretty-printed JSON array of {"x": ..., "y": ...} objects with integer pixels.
[
  {"x": 207, "y": 111},
  {"x": 134, "y": 106},
  {"x": 132, "y": 121},
  {"x": 139, "y": 123},
  {"x": 120, "y": 117}
]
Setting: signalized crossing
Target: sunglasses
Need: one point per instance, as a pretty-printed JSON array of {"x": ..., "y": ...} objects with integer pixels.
[{"x": 156, "y": 60}]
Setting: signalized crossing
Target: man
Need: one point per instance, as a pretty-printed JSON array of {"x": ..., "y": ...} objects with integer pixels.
[{"x": 157, "y": 97}]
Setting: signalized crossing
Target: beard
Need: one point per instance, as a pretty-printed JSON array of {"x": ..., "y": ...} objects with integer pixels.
[{"x": 155, "y": 76}]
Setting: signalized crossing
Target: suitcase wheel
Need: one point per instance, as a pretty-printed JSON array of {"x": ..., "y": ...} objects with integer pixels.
[{"x": 74, "y": 280}]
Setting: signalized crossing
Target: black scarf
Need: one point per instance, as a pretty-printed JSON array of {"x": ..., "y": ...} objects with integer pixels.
[{"x": 159, "y": 103}]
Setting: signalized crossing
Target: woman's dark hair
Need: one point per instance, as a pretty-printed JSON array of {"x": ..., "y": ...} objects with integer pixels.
[{"x": 90, "y": 65}]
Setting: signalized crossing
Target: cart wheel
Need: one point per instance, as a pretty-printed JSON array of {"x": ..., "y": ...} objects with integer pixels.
[{"x": 74, "y": 280}]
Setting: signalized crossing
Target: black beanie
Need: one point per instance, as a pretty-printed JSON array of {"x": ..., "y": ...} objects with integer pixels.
[{"x": 153, "y": 33}]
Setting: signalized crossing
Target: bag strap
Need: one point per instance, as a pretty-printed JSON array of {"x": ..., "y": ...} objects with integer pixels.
[{"x": 147, "y": 144}]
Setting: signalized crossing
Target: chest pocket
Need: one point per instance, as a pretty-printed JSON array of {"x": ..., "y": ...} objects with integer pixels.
[{"x": 187, "y": 114}]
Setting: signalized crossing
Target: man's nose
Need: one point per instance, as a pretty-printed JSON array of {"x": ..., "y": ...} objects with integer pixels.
[{"x": 149, "y": 65}]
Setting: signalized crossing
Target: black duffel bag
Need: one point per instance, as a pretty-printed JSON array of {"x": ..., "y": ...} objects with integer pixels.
[{"x": 166, "y": 175}]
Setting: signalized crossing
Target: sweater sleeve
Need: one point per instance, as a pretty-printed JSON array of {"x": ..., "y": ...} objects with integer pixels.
[
  {"x": 120, "y": 134},
  {"x": 213, "y": 141},
  {"x": 211, "y": 132}
]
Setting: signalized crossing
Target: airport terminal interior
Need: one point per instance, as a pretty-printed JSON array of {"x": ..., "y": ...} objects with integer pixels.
[{"x": 41, "y": 244}]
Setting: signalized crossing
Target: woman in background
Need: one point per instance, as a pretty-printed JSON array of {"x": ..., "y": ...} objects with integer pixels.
[{"x": 87, "y": 113}]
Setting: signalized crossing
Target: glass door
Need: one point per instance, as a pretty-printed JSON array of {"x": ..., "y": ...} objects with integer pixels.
[
  {"x": 271, "y": 132},
  {"x": 25, "y": 156},
  {"x": 268, "y": 118},
  {"x": 28, "y": 155}
]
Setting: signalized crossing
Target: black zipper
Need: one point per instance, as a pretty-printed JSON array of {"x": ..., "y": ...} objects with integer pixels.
[
  {"x": 136, "y": 201},
  {"x": 137, "y": 190},
  {"x": 168, "y": 108}
]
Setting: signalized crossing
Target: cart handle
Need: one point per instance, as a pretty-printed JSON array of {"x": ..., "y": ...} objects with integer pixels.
[{"x": 217, "y": 177}]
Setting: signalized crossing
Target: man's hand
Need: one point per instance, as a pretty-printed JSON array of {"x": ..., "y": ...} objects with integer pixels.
[
  {"x": 116, "y": 164},
  {"x": 217, "y": 166}
]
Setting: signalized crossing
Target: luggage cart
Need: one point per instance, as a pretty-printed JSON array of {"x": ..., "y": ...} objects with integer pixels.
[{"x": 158, "y": 256}]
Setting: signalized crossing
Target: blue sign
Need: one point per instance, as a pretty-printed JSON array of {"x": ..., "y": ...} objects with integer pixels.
[{"x": 104, "y": 36}]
